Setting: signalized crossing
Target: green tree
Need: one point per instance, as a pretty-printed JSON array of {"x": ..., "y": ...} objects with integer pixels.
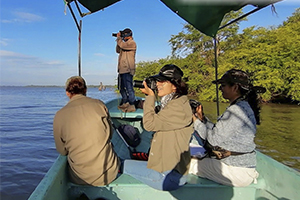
[
  {"x": 271, "y": 56},
  {"x": 197, "y": 49},
  {"x": 190, "y": 40}
]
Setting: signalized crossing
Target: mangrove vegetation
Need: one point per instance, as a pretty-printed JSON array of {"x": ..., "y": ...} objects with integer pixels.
[{"x": 270, "y": 55}]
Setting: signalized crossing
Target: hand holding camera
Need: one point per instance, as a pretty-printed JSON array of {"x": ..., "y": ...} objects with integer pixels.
[
  {"x": 197, "y": 110},
  {"x": 118, "y": 34},
  {"x": 146, "y": 90},
  {"x": 150, "y": 81}
]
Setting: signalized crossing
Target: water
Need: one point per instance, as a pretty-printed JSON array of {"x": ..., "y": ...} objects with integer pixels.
[{"x": 27, "y": 148}]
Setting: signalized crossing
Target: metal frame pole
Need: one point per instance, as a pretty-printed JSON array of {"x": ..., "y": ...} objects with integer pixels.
[
  {"x": 241, "y": 17},
  {"x": 73, "y": 15},
  {"x": 79, "y": 48},
  {"x": 79, "y": 27},
  {"x": 216, "y": 74}
]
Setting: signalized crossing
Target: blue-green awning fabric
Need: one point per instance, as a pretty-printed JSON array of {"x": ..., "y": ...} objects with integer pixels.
[{"x": 204, "y": 15}]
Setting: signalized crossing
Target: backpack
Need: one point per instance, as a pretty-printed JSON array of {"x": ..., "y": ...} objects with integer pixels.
[{"x": 130, "y": 134}]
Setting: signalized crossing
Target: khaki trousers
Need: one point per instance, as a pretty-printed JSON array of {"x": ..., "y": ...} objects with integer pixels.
[{"x": 219, "y": 172}]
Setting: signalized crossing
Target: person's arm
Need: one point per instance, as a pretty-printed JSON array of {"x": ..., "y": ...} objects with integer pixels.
[
  {"x": 200, "y": 128},
  {"x": 117, "y": 48},
  {"x": 172, "y": 117},
  {"x": 130, "y": 45},
  {"x": 201, "y": 123},
  {"x": 226, "y": 126},
  {"x": 57, "y": 133},
  {"x": 108, "y": 121}
]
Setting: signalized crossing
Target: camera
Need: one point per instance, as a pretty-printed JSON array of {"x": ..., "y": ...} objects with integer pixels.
[
  {"x": 151, "y": 83},
  {"x": 194, "y": 105},
  {"x": 115, "y": 34}
]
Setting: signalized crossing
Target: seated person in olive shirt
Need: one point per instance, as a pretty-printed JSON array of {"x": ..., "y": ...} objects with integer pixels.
[
  {"x": 169, "y": 155},
  {"x": 82, "y": 131}
]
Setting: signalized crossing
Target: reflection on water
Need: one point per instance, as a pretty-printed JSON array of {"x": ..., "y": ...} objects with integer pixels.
[{"x": 279, "y": 134}]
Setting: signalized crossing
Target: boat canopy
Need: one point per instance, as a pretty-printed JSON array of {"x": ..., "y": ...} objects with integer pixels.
[{"x": 204, "y": 15}]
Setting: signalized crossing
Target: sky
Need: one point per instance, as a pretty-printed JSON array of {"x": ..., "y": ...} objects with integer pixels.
[{"x": 39, "y": 40}]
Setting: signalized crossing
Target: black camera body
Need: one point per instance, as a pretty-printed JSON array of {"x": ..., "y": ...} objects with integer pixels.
[
  {"x": 194, "y": 105},
  {"x": 115, "y": 34},
  {"x": 151, "y": 83}
]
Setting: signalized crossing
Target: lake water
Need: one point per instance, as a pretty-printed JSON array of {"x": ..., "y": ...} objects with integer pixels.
[{"x": 27, "y": 148}]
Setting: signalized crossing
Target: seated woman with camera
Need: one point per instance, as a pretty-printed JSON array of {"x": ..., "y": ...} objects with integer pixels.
[
  {"x": 169, "y": 155},
  {"x": 230, "y": 143}
]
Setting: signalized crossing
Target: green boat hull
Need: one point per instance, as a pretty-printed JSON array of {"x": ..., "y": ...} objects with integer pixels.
[{"x": 276, "y": 181}]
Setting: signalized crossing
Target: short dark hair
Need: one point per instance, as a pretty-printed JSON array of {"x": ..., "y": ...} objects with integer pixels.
[
  {"x": 181, "y": 87},
  {"x": 76, "y": 85}
]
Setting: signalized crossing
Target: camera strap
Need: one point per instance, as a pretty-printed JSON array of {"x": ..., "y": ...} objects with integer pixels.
[{"x": 220, "y": 153}]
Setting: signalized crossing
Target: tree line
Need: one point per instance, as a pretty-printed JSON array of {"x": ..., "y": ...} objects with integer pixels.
[{"x": 270, "y": 55}]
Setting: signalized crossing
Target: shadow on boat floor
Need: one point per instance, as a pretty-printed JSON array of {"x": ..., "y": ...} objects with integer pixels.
[{"x": 84, "y": 197}]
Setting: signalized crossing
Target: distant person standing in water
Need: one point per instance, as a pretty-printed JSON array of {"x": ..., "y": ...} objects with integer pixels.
[
  {"x": 82, "y": 131},
  {"x": 126, "y": 48}
]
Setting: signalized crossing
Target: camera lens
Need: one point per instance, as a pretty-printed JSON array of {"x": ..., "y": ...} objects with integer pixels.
[
  {"x": 114, "y": 34},
  {"x": 138, "y": 84}
]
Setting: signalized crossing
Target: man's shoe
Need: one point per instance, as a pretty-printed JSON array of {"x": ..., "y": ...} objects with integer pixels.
[
  {"x": 130, "y": 108},
  {"x": 124, "y": 106}
]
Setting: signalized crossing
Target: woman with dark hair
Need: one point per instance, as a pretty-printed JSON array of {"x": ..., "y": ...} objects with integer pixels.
[
  {"x": 230, "y": 142},
  {"x": 169, "y": 154}
]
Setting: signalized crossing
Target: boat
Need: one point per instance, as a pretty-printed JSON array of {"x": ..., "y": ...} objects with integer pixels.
[{"x": 276, "y": 181}]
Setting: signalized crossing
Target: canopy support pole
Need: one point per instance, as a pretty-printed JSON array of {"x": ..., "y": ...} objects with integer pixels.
[
  {"x": 77, "y": 6},
  {"x": 216, "y": 74},
  {"x": 79, "y": 49},
  {"x": 73, "y": 15},
  {"x": 241, "y": 17},
  {"x": 79, "y": 27}
]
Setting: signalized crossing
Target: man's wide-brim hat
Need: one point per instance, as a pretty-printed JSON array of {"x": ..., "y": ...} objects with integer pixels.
[
  {"x": 168, "y": 73},
  {"x": 235, "y": 76}
]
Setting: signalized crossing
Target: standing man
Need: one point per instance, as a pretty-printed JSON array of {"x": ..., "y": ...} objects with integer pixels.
[
  {"x": 82, "y": 131},
  {"x": 126, "y": 48}
]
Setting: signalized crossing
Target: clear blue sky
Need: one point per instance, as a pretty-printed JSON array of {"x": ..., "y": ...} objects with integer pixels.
[{"x": 39, "y": 43}]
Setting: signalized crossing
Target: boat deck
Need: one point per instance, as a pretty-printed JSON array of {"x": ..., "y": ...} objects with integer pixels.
[{"x": 126, "y": 187}]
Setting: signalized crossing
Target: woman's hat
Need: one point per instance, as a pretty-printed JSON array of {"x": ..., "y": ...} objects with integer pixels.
[
  {"x": 235, "y": 76},
  {"x": 168, "y": 73}
]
